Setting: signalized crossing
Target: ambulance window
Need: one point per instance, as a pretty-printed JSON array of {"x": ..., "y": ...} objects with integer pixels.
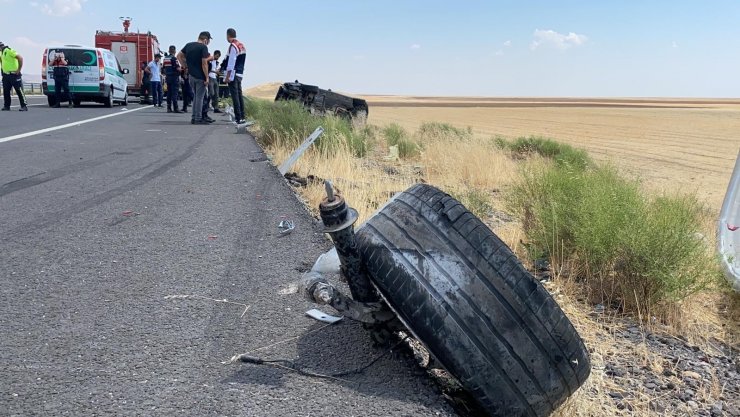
[{"x": 76, "y": 57}]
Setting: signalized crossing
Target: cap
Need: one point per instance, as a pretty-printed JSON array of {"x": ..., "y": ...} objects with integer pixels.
[
  {"x": 205, "y": 35},
  {"x": 158, "y": 55}
]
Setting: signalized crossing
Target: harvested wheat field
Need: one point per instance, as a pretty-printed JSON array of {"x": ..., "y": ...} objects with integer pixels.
[{"x": 670, "y": 144}]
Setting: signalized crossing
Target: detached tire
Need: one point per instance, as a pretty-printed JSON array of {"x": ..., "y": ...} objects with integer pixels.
[{"x": 465, "y": 295}]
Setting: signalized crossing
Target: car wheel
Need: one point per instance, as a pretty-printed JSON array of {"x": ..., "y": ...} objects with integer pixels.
[
  {"x": 51, "y": 100},
  {"x": 109, "y": 100},
  {"x": 76, "y": 102},
  {"x": 125, "y": 99},
  {"x": 463, "y": 293}
]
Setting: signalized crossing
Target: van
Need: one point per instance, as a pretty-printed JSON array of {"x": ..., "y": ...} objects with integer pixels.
[{"x": 94, "y": 75}]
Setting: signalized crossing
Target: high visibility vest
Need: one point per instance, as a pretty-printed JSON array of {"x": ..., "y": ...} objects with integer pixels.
[{"x": 9, "y": 61}]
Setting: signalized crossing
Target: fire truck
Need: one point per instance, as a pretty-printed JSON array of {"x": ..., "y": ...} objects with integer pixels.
[{"x": 131, "y": 49}]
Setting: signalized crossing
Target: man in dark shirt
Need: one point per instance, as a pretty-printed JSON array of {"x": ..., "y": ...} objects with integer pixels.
[
  {"x": 194, "y": 57},
  {"x": 172, "y": 76}
]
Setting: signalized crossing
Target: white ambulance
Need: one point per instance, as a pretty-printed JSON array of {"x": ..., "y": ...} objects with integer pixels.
[{"x": 94, "y": 75}]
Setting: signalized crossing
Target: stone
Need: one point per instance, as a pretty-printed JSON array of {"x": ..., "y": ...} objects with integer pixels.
[
  {"x": 616, "y": 395},
  {"x": 691, "y": 374},
  {"x": 716, "y": 410}
]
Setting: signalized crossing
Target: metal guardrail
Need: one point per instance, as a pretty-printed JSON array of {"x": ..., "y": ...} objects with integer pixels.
[{"x": 28, "y": 88}]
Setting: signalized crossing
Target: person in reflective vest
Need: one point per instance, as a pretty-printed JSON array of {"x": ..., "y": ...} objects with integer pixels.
[
  {"x": 61, "y": 80},
  {"x": 237, "y": 56},
  {"x": 172, "y": 72},
  {"x": 12, "y": 64}
]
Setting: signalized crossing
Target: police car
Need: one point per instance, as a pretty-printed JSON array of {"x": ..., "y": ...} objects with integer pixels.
[{"x": 94, "y": 75}]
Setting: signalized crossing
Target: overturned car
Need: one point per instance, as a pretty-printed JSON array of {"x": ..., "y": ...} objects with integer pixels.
[{"x": 322, "y": 101}]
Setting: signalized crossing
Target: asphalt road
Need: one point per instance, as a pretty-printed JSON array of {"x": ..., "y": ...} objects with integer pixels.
[{"x": 85, "y": 328}]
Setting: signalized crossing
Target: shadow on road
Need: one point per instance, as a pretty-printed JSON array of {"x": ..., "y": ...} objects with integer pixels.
[{"x": 395, "y": 376}]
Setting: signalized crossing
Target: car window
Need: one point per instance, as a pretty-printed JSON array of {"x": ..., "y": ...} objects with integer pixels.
[{"x": 76, "y": 57}]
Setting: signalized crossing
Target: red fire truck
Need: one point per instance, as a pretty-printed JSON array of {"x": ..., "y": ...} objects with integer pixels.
[{"x": 131, "y": 49}]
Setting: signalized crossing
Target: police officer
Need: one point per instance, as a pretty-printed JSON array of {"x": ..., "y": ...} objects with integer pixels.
[
  {"x": 172, "y": 73},
  {"x": 12, "y": 64},
  {"x": 61, "y": 79}
]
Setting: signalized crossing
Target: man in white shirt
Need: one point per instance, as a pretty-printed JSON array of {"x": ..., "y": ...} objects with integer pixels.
[
  {"x": 154, "y": 68},
  {"x": 213, "y": 80},
  {"x": 234, "y": 72}
]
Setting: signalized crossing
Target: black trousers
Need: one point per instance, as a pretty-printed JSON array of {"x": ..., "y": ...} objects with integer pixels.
[
  {"x": 62, "y": 84},
  {"x": 237, "y": 97},
  {"x": 173, "y": 85},
  {"x": 13, "y": 81}
]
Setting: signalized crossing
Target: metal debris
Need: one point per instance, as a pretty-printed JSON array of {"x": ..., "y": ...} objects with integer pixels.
[
  {"x": 285, "y": 166},
  {"x": 286, "y": 226},
  {"x": 327, "y": 263},
  {"x": 319, "y": 315}
]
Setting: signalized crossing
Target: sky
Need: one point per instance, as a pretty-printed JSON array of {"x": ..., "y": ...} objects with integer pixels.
[{"x": 566, "y": 48}]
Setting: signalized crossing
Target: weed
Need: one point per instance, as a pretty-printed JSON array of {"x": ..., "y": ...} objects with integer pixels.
[
  {"x": 288, "y": 123},
  {"x": 478, "y": 202},
  {"x": 395, "y": 135},
  {"x": 628, "y": 247},
  {"x": 434, "y": 130},
  {"x": 561, "y": 153}
]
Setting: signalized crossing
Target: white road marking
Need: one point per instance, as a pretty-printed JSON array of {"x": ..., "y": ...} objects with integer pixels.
[
  {"x": 29, "y": 105},
  {"x": 81, "y": 122}
]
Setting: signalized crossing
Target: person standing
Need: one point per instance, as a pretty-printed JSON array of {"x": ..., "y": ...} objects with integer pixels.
[
  {"x": 172, "y": 77},
  {"x": 237, "y": 56},
  {"x": 154, "y": 69},
  {"x": 187, "y": 92},
  {"x": 12, "y": 64},
  {"x": 61, "y": 80},
  {"x": 194, "y": 57},
  {"x": 213, "y": 80},
  {"x": 145, "y": 85}
]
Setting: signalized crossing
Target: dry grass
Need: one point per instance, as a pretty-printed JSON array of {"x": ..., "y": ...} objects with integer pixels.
[{"x": 661, "y": 149}]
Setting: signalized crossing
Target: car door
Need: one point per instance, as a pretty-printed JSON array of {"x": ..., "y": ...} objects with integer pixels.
[{"x": 113, "y": 75}]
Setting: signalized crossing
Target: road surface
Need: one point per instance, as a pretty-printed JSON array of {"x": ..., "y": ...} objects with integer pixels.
[{"x": 103, "y": 219}]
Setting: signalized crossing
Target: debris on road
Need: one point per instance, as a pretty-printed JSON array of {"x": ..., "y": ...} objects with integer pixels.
[
  {"x": 212, "y": 237},
  {"x": 297, "y": 181},
  {"x": 319, "y": 315},
  {"x": 130, "y": 213},
  {"x": 286, "y": 227},
  {"x": 415, "y": 267},
  {"x": 290, "y": 365},
  {"x": 327, "y": 263}
]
